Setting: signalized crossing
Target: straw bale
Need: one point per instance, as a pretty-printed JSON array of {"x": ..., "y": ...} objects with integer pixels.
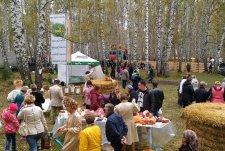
[
  {"x": 106, "y": 86},
  {"x": 218, "y": 132},
  {"x": 208, "y": 121},
  {"x": 211, "y": 114}
]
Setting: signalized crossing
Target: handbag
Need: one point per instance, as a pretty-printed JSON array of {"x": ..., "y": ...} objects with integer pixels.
[
  {"x": 23, "y": 130},
  {"x": 46, "y": 141}
]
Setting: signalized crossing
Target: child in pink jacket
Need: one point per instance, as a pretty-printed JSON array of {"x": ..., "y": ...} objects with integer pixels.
[{"x": 11, "y": 126}]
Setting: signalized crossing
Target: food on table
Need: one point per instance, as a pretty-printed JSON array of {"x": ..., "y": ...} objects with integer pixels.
[{"x": 164, "y": 120}]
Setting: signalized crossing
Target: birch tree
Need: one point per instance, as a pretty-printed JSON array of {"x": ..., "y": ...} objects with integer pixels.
[
  {"x": 41, "y": 45},
  {"x": 5, "y": 26},
  {"x": 165, "y": 60},
  {"x": 128, "y": 26},
  {"x": 146, "y": 35},
  {"x": 19, "y": 39},
  {"x": 220, "y": 46},
  {"x": 158, "y": 34},
  {"x": 4, "y": 54},
  {"x": 134, "y": 53}
]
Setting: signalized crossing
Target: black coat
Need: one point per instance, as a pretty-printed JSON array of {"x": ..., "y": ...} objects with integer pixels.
[
  {"x": 187, "y": 93},
  {"x": 159, "y": 97},
  {"x": 200, "y": 95},
  {"x": 113, "y": 99},
  {"x": 39, "y": 99},
  {"x": 148, "y": 100}
]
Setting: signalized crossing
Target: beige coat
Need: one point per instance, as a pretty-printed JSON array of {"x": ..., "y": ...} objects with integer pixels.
[
  {"x": 33, "y": 116},
  {"x": 126, "y": 110},
  {"x": 73, "y": 126},
  {"x": 56, "y": 96}
]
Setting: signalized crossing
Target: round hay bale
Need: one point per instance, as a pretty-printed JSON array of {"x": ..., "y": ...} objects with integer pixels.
[
  {"x": 208, "y": 121},
  {"x": 106, "y": 86}
]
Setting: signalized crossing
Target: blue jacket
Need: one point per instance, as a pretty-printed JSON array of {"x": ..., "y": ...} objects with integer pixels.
[
  {"x": 19, "y": 100},
  {"x": 115, "y": 128}
]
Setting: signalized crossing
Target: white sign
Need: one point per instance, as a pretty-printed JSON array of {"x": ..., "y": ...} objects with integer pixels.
[{"x": 58, "y": 42}]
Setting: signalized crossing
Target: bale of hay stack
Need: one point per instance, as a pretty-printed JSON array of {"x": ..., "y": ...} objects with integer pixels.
[
  {"x": 208, "y": 121},
  {"x": 106, "y": 86}
]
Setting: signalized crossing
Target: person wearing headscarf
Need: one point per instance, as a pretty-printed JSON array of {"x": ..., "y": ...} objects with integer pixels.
[
  {"x": 72, "y": 127},
  {"x": 194, "y": 82},
  {"x": 189, "y": 141}
]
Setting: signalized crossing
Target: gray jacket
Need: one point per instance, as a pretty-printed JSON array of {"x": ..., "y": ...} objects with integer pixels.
[{"x": 125, "y": 75}]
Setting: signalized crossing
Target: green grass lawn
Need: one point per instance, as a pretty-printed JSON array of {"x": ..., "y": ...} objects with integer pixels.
[{"x": 170, "y": 108}]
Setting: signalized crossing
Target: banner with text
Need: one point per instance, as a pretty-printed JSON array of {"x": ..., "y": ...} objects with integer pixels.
[{"x": 58, "y": 41}]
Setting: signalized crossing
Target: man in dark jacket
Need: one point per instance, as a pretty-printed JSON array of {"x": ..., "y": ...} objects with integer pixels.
[
  {"x": 187, "y": 92},
  {"x": 159, "y": 97},
  {"x": 201, "y": 95},
  {"x": 116, "y": 129},
  {"x": 39, "y": 99},
  {"x": 145, "y": 98}
]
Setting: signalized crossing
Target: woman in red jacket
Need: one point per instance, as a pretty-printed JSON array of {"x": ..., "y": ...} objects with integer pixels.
[{"x": 96, "y": 99}]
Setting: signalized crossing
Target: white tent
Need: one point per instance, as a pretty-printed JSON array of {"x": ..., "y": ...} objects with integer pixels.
[
  {"x": 80, "y": 63},
  {"x": 82, "y": 59}
]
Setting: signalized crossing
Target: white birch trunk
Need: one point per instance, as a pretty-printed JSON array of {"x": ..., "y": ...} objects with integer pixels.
[
  {"x": 4, "y": 54},
  {"x": 134, "y": 54},
  {"x": 146, "y": 35},
  {"x": 190, "y": 34},
  {"x": 165, "y": 62},
  {"x": 158, "y": 34},
  {"x": 5, "y": 26},
  {"x": 19, "y": 38},
  {"x": 207, "y": 33},
  {"x": 128, "y": 27},
  {"x": 219, "y": 48},
  {"x": 102, "y": 32},
  {"x": 41, "y": 45}
]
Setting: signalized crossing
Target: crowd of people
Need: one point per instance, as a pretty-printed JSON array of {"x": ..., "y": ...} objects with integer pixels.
[
  {"x": 190, "y": 90},
  {"x": 25, "y": 108}
]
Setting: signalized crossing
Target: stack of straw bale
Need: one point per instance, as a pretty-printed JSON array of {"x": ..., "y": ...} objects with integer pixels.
[
  {"x": 106, "y": 86},
  {"x": 208, "y": 121}
]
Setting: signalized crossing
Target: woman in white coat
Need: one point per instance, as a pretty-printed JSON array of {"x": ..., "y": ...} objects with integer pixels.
[
  {"x": 126, "y": 110},
  {"x": 33, "y": 117}
]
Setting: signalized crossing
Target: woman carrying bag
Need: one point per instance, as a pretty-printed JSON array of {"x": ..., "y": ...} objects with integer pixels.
[{"x": 33, "y": 119}]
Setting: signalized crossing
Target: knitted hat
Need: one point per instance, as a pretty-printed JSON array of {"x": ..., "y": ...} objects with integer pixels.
[
  {"x": 130, "y": 87},
  {"x": 13, "y": 107}
]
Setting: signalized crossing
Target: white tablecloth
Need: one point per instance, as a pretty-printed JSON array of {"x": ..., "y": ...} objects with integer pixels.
[{"x": 158, "y": 134}]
